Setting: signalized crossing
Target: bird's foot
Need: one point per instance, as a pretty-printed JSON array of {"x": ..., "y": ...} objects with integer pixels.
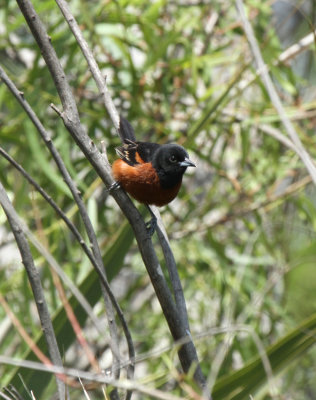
[
  {"x": 151, "y": 225},
  {"x": 114, "y": 186}
]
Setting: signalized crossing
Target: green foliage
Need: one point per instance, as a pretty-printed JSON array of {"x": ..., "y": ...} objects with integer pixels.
[{"x": 242, "y": 229}]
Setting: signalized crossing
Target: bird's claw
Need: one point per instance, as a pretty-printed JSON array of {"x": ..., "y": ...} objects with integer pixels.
[
  {"x": 114, "y": 186},
  {"x": 151, "y": 225}
]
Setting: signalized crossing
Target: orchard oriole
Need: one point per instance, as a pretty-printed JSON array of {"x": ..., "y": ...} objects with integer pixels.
[{"x": 151, "y": 173}]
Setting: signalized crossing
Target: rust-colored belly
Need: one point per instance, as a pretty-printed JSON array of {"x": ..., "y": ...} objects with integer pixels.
[{"x": 142, "y": 183}]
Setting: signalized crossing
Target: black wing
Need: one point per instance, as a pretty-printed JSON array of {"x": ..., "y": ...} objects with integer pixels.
[{"x": 128, "y": 151}]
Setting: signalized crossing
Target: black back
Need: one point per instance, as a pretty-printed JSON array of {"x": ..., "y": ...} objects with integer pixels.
[{"x": 127, "y": 152}]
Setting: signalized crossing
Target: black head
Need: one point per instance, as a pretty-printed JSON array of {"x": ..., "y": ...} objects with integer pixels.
[{"x": 171, "y": 162}]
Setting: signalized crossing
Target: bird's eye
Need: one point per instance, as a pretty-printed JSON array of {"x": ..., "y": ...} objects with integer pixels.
[{"x": 173, "y": 158}]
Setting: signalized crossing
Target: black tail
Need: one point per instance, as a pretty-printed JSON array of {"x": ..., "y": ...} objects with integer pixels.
[{"x": 126, "y": 130}]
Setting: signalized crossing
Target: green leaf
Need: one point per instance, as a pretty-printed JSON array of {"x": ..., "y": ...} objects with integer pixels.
[{"x": 249, "y": 379}]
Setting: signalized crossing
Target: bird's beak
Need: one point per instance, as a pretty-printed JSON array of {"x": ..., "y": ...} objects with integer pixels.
[{"x": 187, "y": 163}]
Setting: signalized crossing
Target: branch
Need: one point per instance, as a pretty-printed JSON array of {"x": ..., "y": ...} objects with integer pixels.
[
  {"x": 297, "y": 48},
  {"x": 95, "y": 258},
  {"x": 35, "y": 283},
  {"x": 274, "y": 97},
  {"x": 73, "y": 288},
  {"x": 102, "y": 378},
  {"x": 284, "y": 58},
  {"x": 101, "y": 83},
  {"x": 95, "y": 71},
  {"x": 172, "y": 270},
  {"x": 70, "y": 116},
  {"x": 268, "y": 129}
]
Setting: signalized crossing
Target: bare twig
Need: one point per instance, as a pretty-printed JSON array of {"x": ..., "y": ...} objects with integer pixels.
[
  {"x": 5, "y": 397},
  {"x": 268, "y": 129},
  {"x": 276, "y": 134},
  {"x": 297, "y": 48},
  {"x": 98, "y": 77},
  {"x": 101, "y": 83},
  {"x": 81, "y": 299},
  {"x": 287, "y": 55},
  {"x": 227, "y": 329},
  {"x": 267, "y": 81},
  {"x": 35, "y": 283},
  {"x": 96, "y": 258},
  {"x": 173, "y": 272},
  {"x": 70, "y": 116},
  {"x": 102, "y": 378}
]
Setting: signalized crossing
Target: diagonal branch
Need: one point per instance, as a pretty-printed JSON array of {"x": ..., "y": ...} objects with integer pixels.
[
  {"x": 95, "y": 258},
  {"x": 95, "y": 71},
  {"x": 187, "y": 353},
  {"x": 35, "y": 283},
  {"x": 274, "y": 97},
  {"x": 81, "y": 299},
  {"x": 101, "y": 83}
]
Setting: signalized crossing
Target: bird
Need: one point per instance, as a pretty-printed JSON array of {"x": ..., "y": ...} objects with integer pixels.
[{"x": 150, "y": 172}]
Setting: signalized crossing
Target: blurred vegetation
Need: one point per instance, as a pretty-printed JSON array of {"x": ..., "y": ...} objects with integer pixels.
[{"x": 242, "y": 229}]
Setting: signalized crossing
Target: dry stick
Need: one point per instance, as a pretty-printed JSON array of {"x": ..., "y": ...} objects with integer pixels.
[
  {"x": 284, "y": 57},
  {"x": 101, "y": 83},
  {"x": 86, "y": 306},
  {"x": 14, "y": 395},
  {"x": 29, "y": 341},
  {"x": 96, "y": 73},
  {"x": 5, "y": 397},
  {"x": 275, "y": 133},
  {"x": 102, "y": 378},
  {"x": 129, "y": 384},
  {"x": 297, "y": 48},
  {"x": 172, "y": 270},
  {"x": 74, "y": 290},
  {"x": 96, "y": 261},
  {"x": 127, "y": 131},
  {"x": 187, "y": 353},
  {"x": 35, "y": 283},
  {"x": 107, "y": 293},
  {"x": 266, "y": 79},
  {"x": 59, "y": 272}
]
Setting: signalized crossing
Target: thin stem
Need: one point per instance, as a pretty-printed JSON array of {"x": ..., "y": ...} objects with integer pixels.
[
  {"x": 81, "y": 299},
  {"x": 98, "y": 77},
  {"x": 70, "y": 116},
  {"x": 35, "y": 283},
  {"x": 274, "y": 97},
  {"x": 95, "y": 258},
  {"x": 101, "y": 83}
]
